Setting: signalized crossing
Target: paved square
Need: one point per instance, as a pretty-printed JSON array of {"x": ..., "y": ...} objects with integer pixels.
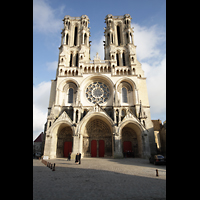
[{"x": 99, "y": 178}]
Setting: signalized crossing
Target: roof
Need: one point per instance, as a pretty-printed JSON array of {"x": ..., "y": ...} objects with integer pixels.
[{"x": 39, "y": 138}]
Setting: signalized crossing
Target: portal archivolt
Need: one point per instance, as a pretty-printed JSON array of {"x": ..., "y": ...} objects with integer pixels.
[
  {"x": 64, "y": 142},
  {"x": 98, "y": 130}
]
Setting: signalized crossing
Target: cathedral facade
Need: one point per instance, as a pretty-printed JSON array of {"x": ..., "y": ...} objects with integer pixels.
[{"x": 98, "y": 108}]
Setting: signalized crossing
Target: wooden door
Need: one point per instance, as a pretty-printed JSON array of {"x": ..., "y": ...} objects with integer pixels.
[
  {"x": 93, "y": 148},
  {"x": 127, "y": 146},
  {"x": 67, "y": 148}
]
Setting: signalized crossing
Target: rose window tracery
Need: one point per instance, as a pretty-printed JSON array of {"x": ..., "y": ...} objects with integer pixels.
[{"x": 97, "y": 92}]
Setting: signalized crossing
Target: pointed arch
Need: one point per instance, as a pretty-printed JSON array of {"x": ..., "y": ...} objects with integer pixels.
[
  {"x": 85, "y": 39},
  {"x": 67, "y": 39}
]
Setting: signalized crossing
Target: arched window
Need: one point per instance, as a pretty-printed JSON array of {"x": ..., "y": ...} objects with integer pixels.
[
  {"x": 118, "y": 36},
  {"x": 76, "y": 59},
  {"x": 123, "y": 58},
  {"x": 67, "y": 39},
  {"x": 127, "y": 37},
  {"x": 124, "y": 95},
  {"x": 108, "y": 39},
  {"x": 70, "y": 95},
  {"x": 117, "y": 57},
  {"x": 70, "y": 62},
  {"x": 85, "y": 39},
  {"x": 75, "y": 35}
]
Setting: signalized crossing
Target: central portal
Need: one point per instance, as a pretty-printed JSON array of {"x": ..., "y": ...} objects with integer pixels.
[
  {"x": 97, "y": 139},
  {"x": 100, "y": 150}
]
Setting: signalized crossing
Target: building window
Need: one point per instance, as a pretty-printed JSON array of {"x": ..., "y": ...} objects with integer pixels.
[
  {"x": 97, "y": 92},
  {"x": 118, "y": 36},
  {"x": 76, "y": 59},
  {"x": 67, "y": 39},
  {"x": 124, "y": 95},
  {"x": 70, "y": 95},
  {"x": 75, "y": 36},
  {"x": 117, "y": 56},
  {"x": 123, "y": 57},
  {"x": 70, "y": 62}
]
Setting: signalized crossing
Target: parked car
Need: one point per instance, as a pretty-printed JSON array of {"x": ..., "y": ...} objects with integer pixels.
[{"x": 157, "y": 159}]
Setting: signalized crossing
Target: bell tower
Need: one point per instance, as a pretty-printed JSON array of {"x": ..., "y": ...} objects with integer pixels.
[
  {"x": 119, "y": 46},
  {"x": 75, "y": 45}
]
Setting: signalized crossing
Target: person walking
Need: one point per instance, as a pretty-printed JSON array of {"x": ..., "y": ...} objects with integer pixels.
[
  {"x": 79, "y": 158},
  {"x": 69, "y": 156}
]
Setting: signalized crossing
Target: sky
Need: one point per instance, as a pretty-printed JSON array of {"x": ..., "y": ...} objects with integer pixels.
[{"x": 148, "y": 20}]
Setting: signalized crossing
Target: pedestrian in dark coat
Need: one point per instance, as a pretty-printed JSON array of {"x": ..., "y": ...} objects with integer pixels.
[
  {"x": 69, "y": 156},
  {"x": 79, "y": 158}
]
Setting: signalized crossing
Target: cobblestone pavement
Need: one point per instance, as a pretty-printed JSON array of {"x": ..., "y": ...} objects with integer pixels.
[{"x": 99, "y": 178}]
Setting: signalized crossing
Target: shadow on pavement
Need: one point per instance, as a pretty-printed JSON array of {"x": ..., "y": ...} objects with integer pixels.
[{"x": 80, "y": 183}]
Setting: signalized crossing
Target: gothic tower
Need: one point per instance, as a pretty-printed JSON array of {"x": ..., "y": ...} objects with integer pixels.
[
  {"x": 98, "y": 108},
  {"x": 119, "y": 46},
  {"x": 74, "y": 45}
]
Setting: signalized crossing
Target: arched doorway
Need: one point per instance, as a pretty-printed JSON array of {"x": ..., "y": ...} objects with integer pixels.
[
  {"x": 97, "y": 139},
  {"x": 64, "y": 141},
  {"x": 131, "y": 141}
]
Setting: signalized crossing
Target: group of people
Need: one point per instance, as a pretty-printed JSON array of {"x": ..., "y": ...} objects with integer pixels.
[{"x": 78, "y": 158}]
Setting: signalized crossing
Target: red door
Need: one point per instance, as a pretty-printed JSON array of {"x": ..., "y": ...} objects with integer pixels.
[
  {"x": 127, "y": 146},
  {"x": 67, "y": 148},
  {"x": 93, "y": 148},
  {"x": 101, "y": 148}
]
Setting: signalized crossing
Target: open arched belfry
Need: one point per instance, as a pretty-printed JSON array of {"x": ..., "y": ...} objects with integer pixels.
[{"x": 98, "y": 108}]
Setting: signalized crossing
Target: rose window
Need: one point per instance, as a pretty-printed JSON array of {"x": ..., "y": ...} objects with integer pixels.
[{"x": 97, "y": 92}]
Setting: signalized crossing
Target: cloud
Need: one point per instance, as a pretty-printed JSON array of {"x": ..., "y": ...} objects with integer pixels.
[
  {"x": 45, "y": 18},
  {"x": 148, "y": 41},
  {"x": 39, "y": 119},
  {"x": 41, "y": 95},
  {"x": 156, "y": 86}
]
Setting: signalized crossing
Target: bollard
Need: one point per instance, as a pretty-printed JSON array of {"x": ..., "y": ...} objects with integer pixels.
[
  {"x": 53, "y": 169},
  {"x": 157, "y": 172}
]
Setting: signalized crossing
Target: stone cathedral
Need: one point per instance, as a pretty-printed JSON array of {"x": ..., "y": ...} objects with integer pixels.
[{"x": 98, "y": 108}]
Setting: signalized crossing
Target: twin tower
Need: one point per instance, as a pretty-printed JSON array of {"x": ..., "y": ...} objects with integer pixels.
[
  {"x": 119, "y": 46},
  {"x": 98, "y": 108}
]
